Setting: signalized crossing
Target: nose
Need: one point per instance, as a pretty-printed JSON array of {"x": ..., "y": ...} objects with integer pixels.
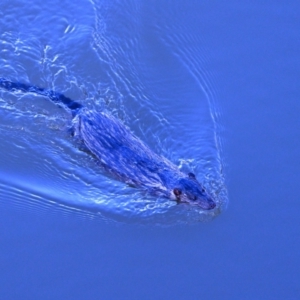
[
  {"x": 208, "y": 204},
  {"x": 212, "y": 204}
]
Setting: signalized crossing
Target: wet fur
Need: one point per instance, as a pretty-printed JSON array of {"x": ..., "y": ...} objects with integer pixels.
[{"x": 122, "y": 154}]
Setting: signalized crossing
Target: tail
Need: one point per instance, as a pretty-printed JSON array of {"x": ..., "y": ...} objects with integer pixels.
[{"x": 55, "y": 97}]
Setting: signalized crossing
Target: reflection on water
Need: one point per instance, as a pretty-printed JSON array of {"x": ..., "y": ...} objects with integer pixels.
[{"x": 119, "y": 58}]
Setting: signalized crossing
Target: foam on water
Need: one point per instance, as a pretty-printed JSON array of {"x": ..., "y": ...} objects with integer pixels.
[{"x": 122, "y": 58}]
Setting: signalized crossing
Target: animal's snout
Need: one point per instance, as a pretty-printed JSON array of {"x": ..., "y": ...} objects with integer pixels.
[
  {"x": 212, "y": 204},
  {"x": 207, "y": 204}
]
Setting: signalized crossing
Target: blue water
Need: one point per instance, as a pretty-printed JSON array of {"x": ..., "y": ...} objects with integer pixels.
[{"x": 214, "y": 88}]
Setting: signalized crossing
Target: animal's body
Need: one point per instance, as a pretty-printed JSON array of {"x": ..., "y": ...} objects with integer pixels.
[{"x": 124, "y": 155}]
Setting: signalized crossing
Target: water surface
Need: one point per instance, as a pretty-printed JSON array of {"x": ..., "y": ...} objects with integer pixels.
[
  {"x": 117, "y": 59},
  {"x": 213, "y": 87}
]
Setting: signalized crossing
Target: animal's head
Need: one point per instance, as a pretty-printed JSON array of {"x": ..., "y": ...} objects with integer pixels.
[{"x": 189, "y": 190}]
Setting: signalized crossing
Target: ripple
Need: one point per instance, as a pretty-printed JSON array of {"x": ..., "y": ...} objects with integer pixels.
[{"x": 123, "y": 57}]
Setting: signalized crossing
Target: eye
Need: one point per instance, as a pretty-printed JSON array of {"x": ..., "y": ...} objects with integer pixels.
[
  {"x": 203, "y": 190},
  {"x": 192, "y": 175},
  {"x": 177, "y": 192}
]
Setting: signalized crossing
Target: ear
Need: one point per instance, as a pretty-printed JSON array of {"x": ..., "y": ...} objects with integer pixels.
[{"x": 192, "y": 175}]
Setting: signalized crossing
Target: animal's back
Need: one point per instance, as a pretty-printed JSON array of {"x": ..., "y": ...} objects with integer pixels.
[
  {"x": 123, "y": 154},
  {"x": 119, "y": 151}
]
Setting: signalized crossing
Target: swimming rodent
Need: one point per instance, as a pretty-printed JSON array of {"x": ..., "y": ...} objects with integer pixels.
[{"x": 123, "y": 154}]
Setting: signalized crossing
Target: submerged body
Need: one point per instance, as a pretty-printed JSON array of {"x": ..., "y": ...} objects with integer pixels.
[{"x": 124, "y": 155}]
